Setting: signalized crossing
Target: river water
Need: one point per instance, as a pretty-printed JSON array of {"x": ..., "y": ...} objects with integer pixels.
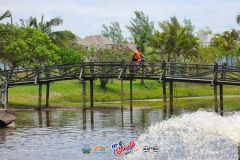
[{"x": 61, "y": 135}]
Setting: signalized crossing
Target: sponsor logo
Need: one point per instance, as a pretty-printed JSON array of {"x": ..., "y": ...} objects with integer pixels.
[
  {"x": 120, "y": 148},
  {"x": 86, "y": 149},
  {"x": 153, "y": 149},
  {"x": 99, "y": 149}
]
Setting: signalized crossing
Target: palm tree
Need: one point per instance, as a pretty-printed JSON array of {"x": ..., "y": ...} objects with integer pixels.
[
  {"x": 46, "y": 26},
  {"x": 238, "y": 18},
  {"x": 141, "y": 29},
  {"x": 178, "y": 40},
  {"x": 7, "y": 14},
  {"x": 227, "y": 41}
]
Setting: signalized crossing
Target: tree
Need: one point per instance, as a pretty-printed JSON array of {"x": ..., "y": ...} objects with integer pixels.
[
  {"x": 7, "y": 14},
  {"x": 210, "y": 54},
  {"x": 227, "y": 41},
  {"x": 178, "y": 40},
  {"x": 116, "y": 53},
  {"x": 155, "y": 50},
  {"x": 69, "y": 55},
  {"x": 207, "y": 30},
  {"x": 141, "y": 29},
  {"x": 113, "y": 32},
  {"x": 45, "y": 26},
  {"x": 23, "y": 47},
  {"x": 58, "y": 37},
  {"x": 238, "y": 18}
]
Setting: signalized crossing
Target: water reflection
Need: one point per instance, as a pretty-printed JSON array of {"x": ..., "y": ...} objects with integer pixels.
[
  {"x": 47, "y": 134},
  {"x": 40, "y": 118},
  {"x": 48, "y": 118},
  {"x": 59, "y": 118},
  {"x": 92, "y": 117},
  {"x": 142, "y": 117}
]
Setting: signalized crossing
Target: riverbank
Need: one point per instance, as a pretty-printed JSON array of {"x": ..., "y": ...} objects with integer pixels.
[{"x": 69, "y": 94}]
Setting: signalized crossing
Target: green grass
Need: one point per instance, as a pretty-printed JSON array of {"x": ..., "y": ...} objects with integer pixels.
[{"x": 69, "y": 93}]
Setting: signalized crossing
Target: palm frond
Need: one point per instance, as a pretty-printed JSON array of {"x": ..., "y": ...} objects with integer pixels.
[{"x": 6, "y": 14}]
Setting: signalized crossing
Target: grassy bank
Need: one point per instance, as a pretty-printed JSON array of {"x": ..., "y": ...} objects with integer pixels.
[{"x": 69, "y": 93}]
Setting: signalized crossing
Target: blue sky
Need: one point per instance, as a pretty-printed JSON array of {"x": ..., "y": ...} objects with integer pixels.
[{"x": 85, "y": 17}]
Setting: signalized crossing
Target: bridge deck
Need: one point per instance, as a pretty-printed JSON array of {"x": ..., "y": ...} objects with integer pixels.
[{"x": 179, "y": 72}]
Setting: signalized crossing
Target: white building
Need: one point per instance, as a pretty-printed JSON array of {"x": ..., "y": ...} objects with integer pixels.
[
  {"x": 98, "y": 41},
  {"x": 205, "y": 39}
]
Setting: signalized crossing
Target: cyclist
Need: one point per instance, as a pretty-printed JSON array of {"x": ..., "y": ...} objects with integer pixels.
[{"x": 137, "y": 57}]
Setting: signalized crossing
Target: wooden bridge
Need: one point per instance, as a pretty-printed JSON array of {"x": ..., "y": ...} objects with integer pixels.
[{"x": 216, "y": 75}]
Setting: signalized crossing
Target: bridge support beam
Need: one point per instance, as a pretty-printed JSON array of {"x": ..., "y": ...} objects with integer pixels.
[
  {"x": 130, "y": 94},
  {"x": 215, "y": 98},
  {"x": 84, "y": 94},
  {"x": 47, "y": 94},
  {"x": 171, "y": 95},
  {"x": 7, "y": 95},
  {"x": 39, "y": 96},
  {"x": 121, "y": 94},
  {"x": 3, "y": 93},
  {"x": 91, "y": 93},
  {"x": 221, "y": 97},
  {"x": 164, "y": 97}
]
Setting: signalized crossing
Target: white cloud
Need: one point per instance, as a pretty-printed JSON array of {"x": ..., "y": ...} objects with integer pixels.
[{"x": 85, "y": 17}]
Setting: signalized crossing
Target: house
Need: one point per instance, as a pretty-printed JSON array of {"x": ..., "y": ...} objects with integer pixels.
[
  {"x": 98, "y": 40},
  {"x": 205, "y": 39}
]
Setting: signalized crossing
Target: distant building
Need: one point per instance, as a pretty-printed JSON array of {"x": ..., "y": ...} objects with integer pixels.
[
  {"x": 98, "y": 40},
  {"x": 132, "y": 47},
  {"x": 1, "y": 66},
  {"x": 205, "y": 39}
]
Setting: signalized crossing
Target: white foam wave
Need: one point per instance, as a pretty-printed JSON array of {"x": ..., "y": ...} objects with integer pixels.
[{"x": 199, "y": 135}]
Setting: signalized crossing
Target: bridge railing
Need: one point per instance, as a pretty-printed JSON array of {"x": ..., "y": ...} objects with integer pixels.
[
  {"x": 149, "y": 70},
  {"x": 100, "y": 70},
  {"x": 60, "y": 72},
  {"x": 214, "y": 74},
  {"x": 19, "y": 75},
  {"x": 188, "y": 71},
  {"x": 228, "y": 74}
]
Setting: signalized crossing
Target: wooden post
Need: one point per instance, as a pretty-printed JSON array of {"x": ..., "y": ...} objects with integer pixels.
[
  {"x": 48, "y": 119},
  {"x": 84, "y": 94},
  {"x": 40, "y": 96},
  {"x": 122, "y": 119},
  {"x": 40, "y": 118},
  {"x": 131, "y": 117},
  {"x": 221, "y": 97},
  {"x": 143, "y": 72},
  {"x": 92, "y": 117},
  {"x": 47, "y": 95},
  {"x": 130, "y": 94},
  {"x": 164, "y": 86},
  {"x": 223, "y": 76},
  {"x": 164, "y": 116},
  {"x": 91, "y": 82},
  {"x": 164, "y": 97},
  {"x": 91, "y": 93},
  {"x": 171, "y": 95},
  {"x": 84, "y": 116},
  {"x": 215, "y": 98},
  {"x": 121, "y": 94}
]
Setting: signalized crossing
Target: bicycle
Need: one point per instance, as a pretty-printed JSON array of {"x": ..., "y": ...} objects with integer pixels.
[{"x": 136, "y": 67}]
